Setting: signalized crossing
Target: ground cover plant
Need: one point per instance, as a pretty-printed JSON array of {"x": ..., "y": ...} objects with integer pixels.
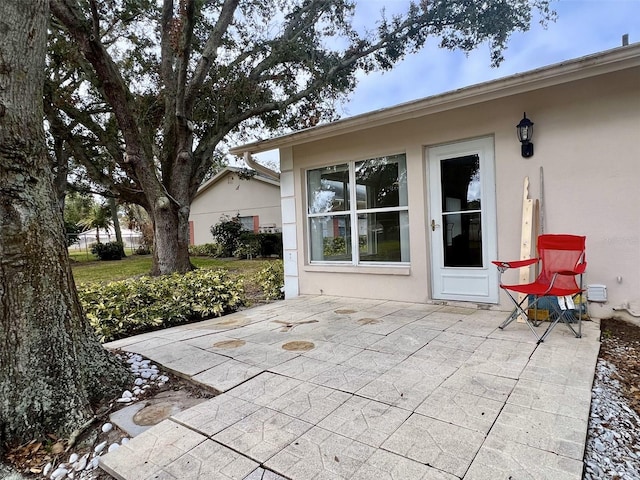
[
  {"x": 270, "y": 278},
  {"x": 120, "y": 299},
  {"x": 136, "y": 305}
]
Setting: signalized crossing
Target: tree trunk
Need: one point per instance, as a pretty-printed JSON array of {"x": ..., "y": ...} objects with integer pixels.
[
  {"x": 52, "y": 367},
  {"x": 116, "y": 222},
  {"x": 170, "y": 239}
]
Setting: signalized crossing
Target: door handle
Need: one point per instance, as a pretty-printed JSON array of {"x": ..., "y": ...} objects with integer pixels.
[{"x": 433, "y": 225}]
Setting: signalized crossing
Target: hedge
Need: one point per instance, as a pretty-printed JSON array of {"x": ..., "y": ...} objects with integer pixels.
[
  {"x": 108, "y": 251},
  {"x": 129, "y": 307},
  {"x": 271, "y": 279}
]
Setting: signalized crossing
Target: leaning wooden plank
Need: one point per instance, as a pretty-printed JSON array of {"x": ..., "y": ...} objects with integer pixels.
[{"x": 526, "y": 237}]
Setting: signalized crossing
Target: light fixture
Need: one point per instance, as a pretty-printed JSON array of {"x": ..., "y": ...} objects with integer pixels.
[{"x": 525, "y": 134}]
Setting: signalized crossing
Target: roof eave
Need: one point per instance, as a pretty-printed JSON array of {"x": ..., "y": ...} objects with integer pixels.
[
  {"x": 584, "y": 67},
  {"x": 229, "y": 169}
]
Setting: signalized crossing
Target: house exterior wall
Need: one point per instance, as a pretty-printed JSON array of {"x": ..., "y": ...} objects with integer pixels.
[
  {"x": 586, "y": 140},
  {"x": 231, "y": 196}
]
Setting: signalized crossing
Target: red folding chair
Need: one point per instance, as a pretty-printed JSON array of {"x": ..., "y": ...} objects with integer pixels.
[{"x": 562, "y": 259}]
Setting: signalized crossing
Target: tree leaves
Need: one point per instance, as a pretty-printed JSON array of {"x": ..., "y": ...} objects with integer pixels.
[{"x": 182, "y": 80}]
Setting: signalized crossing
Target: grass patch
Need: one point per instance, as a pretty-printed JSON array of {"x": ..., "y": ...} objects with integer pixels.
[
  {"x": 91, "y": 271},
  {"x": 81, "y": 256},
  {"x": 95, "y": 271}
]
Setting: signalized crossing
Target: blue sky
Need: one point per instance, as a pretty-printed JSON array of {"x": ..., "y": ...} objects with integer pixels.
[{"x": 582, "y": 27}]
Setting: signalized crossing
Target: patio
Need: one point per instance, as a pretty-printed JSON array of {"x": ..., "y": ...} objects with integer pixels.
[{"x": 321, "y": 387}]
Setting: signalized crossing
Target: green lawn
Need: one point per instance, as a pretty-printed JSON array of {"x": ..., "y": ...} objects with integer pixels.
[{"x": 86, "y": 269}]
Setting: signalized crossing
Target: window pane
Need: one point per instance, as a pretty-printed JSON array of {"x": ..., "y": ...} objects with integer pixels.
[
  {"x": 328, "y": 189},
  {"x": 462, "y": 240},
  {"x": 381, "y": 182},
  {"x": 330, "y": 238},
  {"x": 461, "y": 183},
  {"x": 247, "y": 223},
  {"x": 383, "y": 237}
]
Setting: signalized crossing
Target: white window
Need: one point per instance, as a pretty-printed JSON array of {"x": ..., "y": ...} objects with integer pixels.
[{"x": 362, "y": 225}]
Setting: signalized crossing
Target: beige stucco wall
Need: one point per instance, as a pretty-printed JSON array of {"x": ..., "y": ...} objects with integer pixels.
[
  {"x": 231, "y": 195},
  {"x": 587, "y": 139}
]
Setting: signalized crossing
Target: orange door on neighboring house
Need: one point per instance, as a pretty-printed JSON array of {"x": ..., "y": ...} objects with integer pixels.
[
  {"x": 191, "y": 233},
  {"x": 256, "y": 224}
]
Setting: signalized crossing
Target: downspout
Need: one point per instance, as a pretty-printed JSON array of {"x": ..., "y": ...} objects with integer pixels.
[{"x": 260, "y": 168}]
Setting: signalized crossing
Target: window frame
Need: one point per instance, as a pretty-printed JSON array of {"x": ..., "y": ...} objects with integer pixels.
[{"x": 353, "y": 213}]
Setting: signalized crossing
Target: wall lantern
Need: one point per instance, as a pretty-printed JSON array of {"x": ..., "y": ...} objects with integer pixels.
[{"x": 525, "y": 134}]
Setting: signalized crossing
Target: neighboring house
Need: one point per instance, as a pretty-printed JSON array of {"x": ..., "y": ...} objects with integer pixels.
[
  {"x": 256, "y": 199},
  {"x": 413, "y": 202}
]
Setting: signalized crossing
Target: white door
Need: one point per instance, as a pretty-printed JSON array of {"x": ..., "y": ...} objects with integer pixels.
[{"x": 462, "y": 223}]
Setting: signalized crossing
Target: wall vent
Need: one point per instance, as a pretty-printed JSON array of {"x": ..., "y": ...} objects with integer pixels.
[{"x": 597, "y": 293}]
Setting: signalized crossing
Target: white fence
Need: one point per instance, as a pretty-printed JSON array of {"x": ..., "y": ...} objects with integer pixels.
[{"x": 130, "y": 238}]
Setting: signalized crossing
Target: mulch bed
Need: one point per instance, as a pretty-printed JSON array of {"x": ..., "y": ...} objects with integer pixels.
[{"x": 621, "y": 347}]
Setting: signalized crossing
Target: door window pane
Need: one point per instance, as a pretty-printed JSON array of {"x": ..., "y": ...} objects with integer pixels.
[
  {"x": 330, "y": 238},
  {"x": 328, "y": 189},
  {"x": 460, "y": 183},
  {"x": 462, "y": 239}
]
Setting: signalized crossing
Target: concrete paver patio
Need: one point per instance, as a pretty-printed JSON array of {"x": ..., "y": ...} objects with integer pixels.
[{"x": 321, "y": 387}]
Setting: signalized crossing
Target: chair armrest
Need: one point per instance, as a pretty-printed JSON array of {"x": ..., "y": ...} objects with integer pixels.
[{"x": 515, "y": 263}]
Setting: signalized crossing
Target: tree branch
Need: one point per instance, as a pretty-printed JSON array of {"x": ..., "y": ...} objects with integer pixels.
[
  {"x": 95, "y": 18},
  {"x": 209, "y": 53},
  {"x": 108, "y": 73},
  {"x": 184, "y": 55}
]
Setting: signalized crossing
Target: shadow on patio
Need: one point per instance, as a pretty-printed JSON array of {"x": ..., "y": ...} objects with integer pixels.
[{"x": 321, "y": 387}]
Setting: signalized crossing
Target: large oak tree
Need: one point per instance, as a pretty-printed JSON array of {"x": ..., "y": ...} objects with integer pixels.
[
  {"x": 149, "y": 92},
  {"x": 53, "y": 370}
]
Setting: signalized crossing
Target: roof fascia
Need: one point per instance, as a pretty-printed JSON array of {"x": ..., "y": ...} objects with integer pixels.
[
  {"x": 226, "y": 170},
  {"x": 572, "y": 70}
]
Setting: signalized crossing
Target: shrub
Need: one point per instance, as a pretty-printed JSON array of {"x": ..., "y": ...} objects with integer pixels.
[
  {"x": 206, "y": 250},
  {"x": 227, "y": 233},
  {"x": 271, "y": 279},
  {"x": 246, "y": 250},
  {"x": 142, "y": 250},
  {"x": 247, "y": 246},
  {"x": 270, "y": 244},
  {"x": 129, "y": 307},
  {"x": 262, "y": 244},
  {"x": 108, "y": 251}
]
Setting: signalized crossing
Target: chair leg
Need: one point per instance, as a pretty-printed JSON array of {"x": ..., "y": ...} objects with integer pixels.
[
  {"x": 565, "y": 316},
  {"x": 509, "y": 319},
  {"x": 559, "y": 316},
  {"x": 578, "y": 334},
  {"x": 519, "y": 310}
]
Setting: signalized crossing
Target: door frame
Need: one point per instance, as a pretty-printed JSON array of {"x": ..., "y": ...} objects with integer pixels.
[{"x": 453, "y": 283}]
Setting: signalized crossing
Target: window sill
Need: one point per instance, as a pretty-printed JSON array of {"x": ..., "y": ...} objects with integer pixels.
[{"x": 365, "y": 269}]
